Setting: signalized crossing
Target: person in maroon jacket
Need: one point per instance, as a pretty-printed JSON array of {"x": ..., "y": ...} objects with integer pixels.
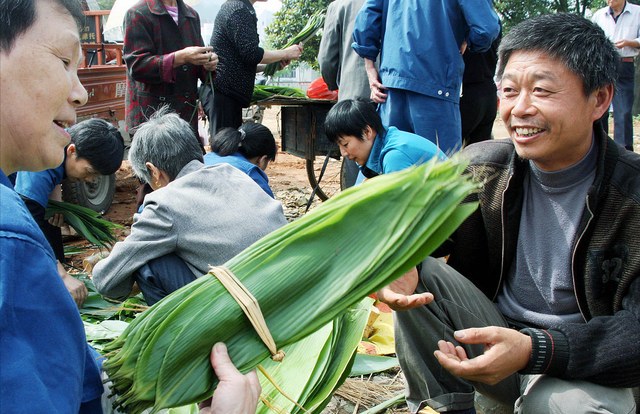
[{"x": 165, "y": 57}]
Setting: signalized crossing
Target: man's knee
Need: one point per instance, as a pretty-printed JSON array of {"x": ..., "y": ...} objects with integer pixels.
[{"x": 544, "y": 394}]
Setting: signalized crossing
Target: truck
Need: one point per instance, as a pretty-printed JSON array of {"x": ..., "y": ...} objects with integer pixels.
[{"x": 103, "y": 74}]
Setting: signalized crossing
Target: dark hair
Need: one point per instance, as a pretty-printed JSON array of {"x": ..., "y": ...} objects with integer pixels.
[
  {"x": 165, "y": 140},
  {"x": 17, "y": 16},
  {"x": 351, "y": 117},
  {"x": 256, "y": 141},
  {"x": 100, "y": 143},
  {"x": 577, "y": 42}
]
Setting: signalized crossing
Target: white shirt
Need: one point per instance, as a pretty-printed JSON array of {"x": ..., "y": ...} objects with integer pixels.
[{"x": 627, "y": 27}]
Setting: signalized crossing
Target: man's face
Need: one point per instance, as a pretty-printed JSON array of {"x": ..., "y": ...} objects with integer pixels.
[
  {"x": 546, "y": 113},
  {"x": 40, "y": 91},
  {"x": 616, "y": 4}
]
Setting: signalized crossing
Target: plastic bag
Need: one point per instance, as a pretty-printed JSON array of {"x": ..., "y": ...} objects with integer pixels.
[{"x": 318, "y": 90}]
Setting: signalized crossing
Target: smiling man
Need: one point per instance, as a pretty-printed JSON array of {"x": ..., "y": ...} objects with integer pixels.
[{"x": 538, "y": 306}]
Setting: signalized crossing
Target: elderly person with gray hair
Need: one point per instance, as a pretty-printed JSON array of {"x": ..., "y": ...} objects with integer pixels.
[{"x": 197, "y": 216}]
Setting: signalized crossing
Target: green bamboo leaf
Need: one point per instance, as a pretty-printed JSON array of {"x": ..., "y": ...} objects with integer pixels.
[{"x": 371, "y": 364}]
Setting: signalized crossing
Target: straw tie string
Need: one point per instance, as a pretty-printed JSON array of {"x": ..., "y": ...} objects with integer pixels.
[{"x": 249, "y": 306}]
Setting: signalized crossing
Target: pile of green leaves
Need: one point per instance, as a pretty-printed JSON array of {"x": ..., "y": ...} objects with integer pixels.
[
  {"x": 315, "y": 366},
  {"x": 85, "y": 222},
  {"x": 261, "y": 92},
  {"x": 104, "y": 321},
  {"x": 315, "y": 23}
]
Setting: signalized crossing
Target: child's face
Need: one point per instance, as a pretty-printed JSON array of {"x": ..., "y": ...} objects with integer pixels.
[
  {"x": 78, "y": 169},
  {"x": 357, "y": 149}
]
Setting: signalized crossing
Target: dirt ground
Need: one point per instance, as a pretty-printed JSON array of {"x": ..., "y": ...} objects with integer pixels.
[{"x": 290, "y": 184}]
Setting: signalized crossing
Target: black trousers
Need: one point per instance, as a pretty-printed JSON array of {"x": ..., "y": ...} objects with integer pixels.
[
  {"x": 223, "y": 111},
  {"x": 478, "y": 109},
  {"x": 51, "y": 232}
]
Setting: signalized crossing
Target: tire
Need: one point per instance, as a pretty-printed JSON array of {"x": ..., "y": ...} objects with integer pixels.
[
  {"x": 96, "y": 195},
  {"x": 332, "y": 179},
  {"x": 348, "y": 173}
]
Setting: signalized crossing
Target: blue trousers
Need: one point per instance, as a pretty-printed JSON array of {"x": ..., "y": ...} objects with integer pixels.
[
  {"x": 622, "y": 106},
  {"x": 436, "y": 119},
  {"x": 162, "y": 276}
]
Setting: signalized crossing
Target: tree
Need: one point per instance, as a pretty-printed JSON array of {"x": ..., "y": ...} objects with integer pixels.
[
  {"x": 513, "y": 12},
  {"x": 289, "y": 21}
]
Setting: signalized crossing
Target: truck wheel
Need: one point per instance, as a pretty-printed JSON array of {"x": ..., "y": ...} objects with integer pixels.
[{"x": 96, "y": 195}]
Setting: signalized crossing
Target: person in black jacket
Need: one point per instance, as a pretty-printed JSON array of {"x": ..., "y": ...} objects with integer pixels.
[
  {"x": 235, "y": 41},
  {"x": 479, "y": 99},
  {"x": 538, "y": 306}
]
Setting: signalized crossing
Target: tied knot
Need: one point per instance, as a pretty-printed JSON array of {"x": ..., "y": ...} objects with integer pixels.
[{"x": 249, "y": 306}]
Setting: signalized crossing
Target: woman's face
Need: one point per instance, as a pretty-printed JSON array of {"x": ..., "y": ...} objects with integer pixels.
[
  {"x": 40, "y": 91},
  {"x": 357, "y": 149}
]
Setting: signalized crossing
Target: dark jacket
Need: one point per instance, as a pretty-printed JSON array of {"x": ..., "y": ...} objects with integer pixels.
[
  {"x": 606, "y": 261},
  {"x": 151, "y": 35},
  {"x": 235, "y": 40}
]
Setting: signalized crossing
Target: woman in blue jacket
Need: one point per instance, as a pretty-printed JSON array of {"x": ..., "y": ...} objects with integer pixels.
[
  {"x": 356, "y": 127},
  {"x": 249, "y": 148}
]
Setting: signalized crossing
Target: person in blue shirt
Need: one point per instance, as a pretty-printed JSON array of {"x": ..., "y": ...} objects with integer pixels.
[
  {"x": 356, "y": 127},
  {"x": 249, "y": 148},
  {"x": 46, "y": 365},
  {"x": 96, "y": 149},
  {"x": 420, "y": 45}
]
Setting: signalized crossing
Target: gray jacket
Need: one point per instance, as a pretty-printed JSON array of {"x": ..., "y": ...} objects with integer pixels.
[
  {"x": 340, "y": 65},
  {"x": 207, "y": 215}
]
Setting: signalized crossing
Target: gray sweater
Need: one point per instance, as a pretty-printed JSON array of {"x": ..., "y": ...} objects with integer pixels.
[{"x": 207, "y": 215}]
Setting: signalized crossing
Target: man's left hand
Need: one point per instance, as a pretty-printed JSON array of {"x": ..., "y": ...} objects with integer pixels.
[
  {"x": 626, "y": 43},
  {"x": 506, "y": 351}
]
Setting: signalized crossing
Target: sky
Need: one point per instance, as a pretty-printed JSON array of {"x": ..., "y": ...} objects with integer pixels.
[{"x": 207, "y": 9}]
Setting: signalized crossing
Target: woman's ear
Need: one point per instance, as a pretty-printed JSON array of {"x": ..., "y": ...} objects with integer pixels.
[
  {"x": 155, "y": 171},
  {"x": 263, "y": 162},
  {"x": 369, "y": 134},
  {"x": 159, "y": 178}
]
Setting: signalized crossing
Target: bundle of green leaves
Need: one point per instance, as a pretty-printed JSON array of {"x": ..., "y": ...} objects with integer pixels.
[
  {"x": 303, "y": 275},
  {"x": 85, "y": 222},
  {"x": 315, "y": 23}
]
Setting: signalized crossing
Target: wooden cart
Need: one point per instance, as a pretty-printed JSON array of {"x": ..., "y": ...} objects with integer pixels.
[{"x": 302, "y": 135}]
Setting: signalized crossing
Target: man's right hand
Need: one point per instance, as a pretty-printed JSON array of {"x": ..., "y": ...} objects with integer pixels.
[
  {"x": 399, "y": 295},
  {"x": 377, "y": 89},
  {"x": 76, "y": 288},
  {"x": 236, "y": 393}
]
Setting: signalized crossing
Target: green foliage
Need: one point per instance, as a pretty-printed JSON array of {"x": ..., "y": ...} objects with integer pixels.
[
  {"x": 513, "y": 12},
  {"x": 289, "y": 21}
]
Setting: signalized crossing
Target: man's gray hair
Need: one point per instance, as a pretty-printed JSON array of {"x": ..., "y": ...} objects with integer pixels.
[
  {"x": 577, "y": 42},
  {"x": 165, "y": 140}
]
